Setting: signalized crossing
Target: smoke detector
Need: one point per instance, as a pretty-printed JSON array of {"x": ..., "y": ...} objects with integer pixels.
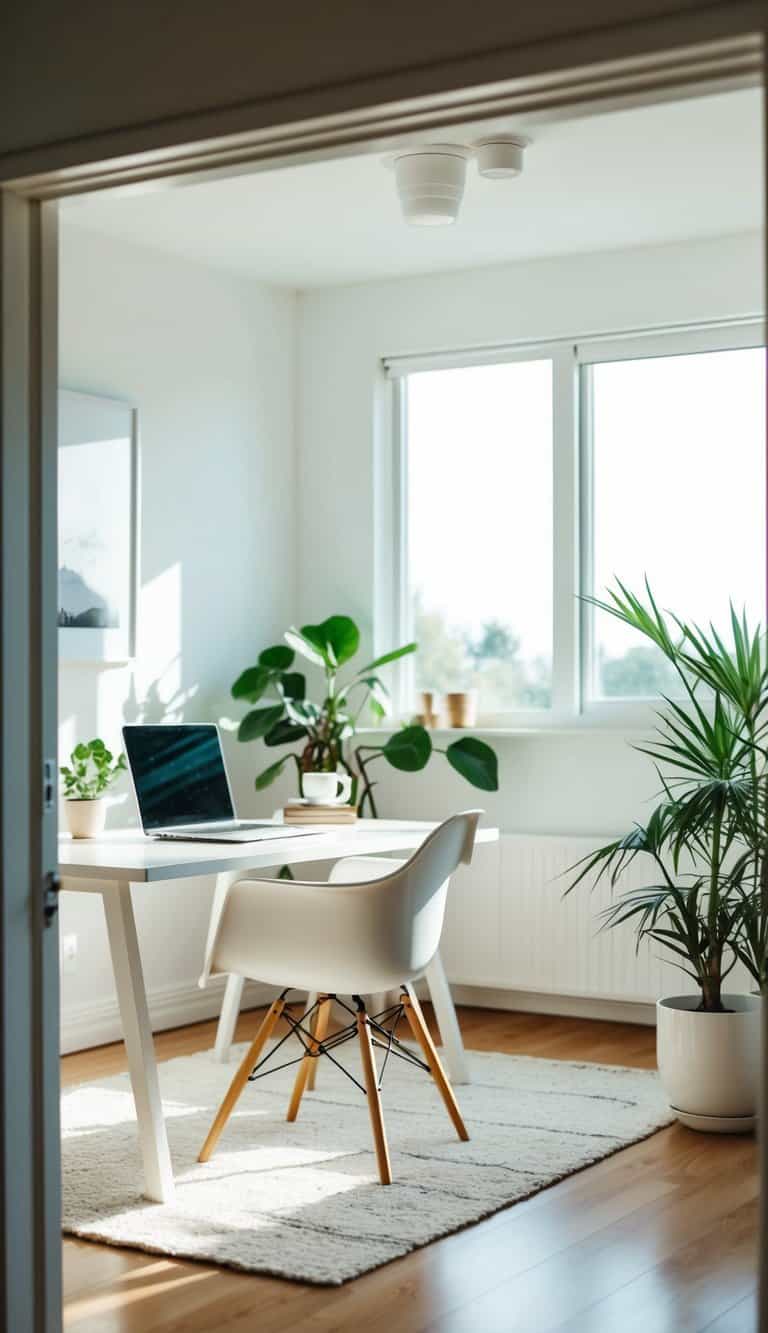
[{"x": 501, "y": 157}]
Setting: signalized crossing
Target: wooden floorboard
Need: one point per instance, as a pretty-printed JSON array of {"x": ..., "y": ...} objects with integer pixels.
[{"x": 659, "y": 1238}]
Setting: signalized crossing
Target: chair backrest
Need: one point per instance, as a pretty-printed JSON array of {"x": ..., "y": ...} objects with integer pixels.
[
  {"x": 450, "y": 844},
  {"x": 422, "y": 886},
  {"x": 356, "y": 935}
]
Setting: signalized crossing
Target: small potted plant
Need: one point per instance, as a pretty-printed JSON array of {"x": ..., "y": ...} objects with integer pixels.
[
  {"x": 705, "y": 845},
  {"x": 91, "y": 770}
]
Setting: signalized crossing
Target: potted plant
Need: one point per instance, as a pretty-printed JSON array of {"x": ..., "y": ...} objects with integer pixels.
[
  {"x": 327, "y": 729},
  {"x": 91, "y": 771},
  {"x": 705, "y": 902}
]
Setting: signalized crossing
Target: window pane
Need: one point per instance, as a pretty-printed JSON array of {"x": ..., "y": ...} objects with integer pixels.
[
  {"x": 679, "y": 496},
  {"x": 480, "y": 531}
]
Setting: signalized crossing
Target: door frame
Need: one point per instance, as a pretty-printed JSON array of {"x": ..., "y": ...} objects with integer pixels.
[
  {"x": 29, "y": 958},
  {"x": 193, "y": 148}
]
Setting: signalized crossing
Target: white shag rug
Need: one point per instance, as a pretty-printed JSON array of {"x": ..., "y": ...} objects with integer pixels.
[{"x": 302, "y": 1200}]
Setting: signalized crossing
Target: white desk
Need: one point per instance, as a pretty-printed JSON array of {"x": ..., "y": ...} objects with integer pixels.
[{"x": 111, "y": 864}]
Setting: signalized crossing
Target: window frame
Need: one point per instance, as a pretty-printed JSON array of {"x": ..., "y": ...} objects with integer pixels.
[
  {"x": 573, "y": 505},
  {"x": 722, "y": 337}
]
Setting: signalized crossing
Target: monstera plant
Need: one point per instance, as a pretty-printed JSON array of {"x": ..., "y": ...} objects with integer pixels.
[{"x": 325, "y": 731}]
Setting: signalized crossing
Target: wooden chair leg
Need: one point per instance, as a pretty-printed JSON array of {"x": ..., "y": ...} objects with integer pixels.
[
  {"x": 374, "y": 1100},
  {"x": 421, "y": 1033},
  {"x": 321, "y": 1026},
  {"x": 241, "y": 1078}
]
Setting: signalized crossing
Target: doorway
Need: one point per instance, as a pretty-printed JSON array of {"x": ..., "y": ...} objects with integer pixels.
[{"x": 31, "y": 227}]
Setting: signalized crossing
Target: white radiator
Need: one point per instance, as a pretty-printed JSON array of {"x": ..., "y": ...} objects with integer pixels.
[{"x": 508, "y": 927}]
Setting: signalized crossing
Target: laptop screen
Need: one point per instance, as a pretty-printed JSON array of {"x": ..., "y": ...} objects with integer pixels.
[{"x": 179, "y": 775}]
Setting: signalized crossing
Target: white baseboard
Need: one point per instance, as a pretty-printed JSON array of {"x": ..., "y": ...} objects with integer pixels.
[
  {"x": 569, "y": 1006},
  {"x": 87, "y": 1025}
]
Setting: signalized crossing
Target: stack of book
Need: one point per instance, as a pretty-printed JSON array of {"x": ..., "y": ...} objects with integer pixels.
[{"x": 301, "y": 812}]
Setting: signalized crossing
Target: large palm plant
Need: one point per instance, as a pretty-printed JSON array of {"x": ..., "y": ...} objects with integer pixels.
[{"x": 705, "y": 842}]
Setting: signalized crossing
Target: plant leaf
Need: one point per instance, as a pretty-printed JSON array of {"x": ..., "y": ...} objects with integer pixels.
[
  {"x": 337, "y": 638},
  {"x": 409, "y": 749},
  {"x": 251, "y": 684},
  {"x": 475, "y": 761},
  {"x": 388, "y": 657},
  {"x": 258, "y": 722},
  {"x": 268, "y": 775},
  {"x": 296, "y": 639},
  {"x": 278, "y": 658},
  {"x": 293, "y": 685},
  {"x": 284, "y": 732}
]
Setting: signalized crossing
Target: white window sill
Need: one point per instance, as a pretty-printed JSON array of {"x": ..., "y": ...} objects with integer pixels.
[{"x": 582, "y": 727}]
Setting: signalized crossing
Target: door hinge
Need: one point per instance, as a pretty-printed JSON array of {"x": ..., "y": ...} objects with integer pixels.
[{"x": 51, "y": 888}]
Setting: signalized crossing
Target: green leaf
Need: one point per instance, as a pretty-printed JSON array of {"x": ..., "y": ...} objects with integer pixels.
[
  {"x": 251, "y": 684},
  {"x": 296, "y": 639},
  {"x": 267, "y": 777},
  {"x": 258, "y": 722},
  {"x": 278, "y": 658},
  {"x": 475, "y": 761},
  {"x": 294, "y": 685},
  {"x": 303, "y": 711},
  {"x": 284, "y": 732},
  {"x": 81, "y": 751},
  {"x": 388, "y": 657},
  {"x": 337, "y": 638},
  {"x": 409, "y": 749}
]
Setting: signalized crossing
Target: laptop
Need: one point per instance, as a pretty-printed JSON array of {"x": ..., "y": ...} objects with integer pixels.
[{"x": 182, "y": 789}]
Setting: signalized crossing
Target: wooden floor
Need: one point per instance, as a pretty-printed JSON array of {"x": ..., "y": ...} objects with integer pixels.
[{"x": 659, "y": 1238}]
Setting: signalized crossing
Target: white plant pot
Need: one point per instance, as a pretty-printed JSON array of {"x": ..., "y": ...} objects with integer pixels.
[
  {"x": 709, "y": 1063},
  {"x": 86, "y": 819}
]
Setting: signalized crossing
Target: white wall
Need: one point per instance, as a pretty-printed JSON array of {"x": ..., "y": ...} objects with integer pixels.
[
  {"x": 209, "y": 361},
  {"x": 561, "y": 784}
]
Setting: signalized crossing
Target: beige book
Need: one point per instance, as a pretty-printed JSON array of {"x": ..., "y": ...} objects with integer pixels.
[{"x": 319, "y": 814}]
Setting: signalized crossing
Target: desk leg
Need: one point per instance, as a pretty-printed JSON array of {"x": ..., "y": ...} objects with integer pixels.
[
  {"x": 137, "y": 1033},
  {"x": 230, "y": 1010},
  {"x": 442, "y": 1002}
]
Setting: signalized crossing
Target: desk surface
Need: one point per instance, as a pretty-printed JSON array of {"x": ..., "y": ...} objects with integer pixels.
[{"x": 126, "y": 854}]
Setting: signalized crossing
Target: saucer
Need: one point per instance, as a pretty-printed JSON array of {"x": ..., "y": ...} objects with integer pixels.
[{"x": 314, "y": 800}]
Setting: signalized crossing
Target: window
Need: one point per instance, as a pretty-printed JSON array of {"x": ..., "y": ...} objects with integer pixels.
[
  {"x": 479, "y": 524},
  {"x": 495, "y": 539},
  {"x": 676, "y": 453}
]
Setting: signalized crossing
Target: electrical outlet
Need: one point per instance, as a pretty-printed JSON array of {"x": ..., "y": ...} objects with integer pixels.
[{"x": 68, "y": 953}]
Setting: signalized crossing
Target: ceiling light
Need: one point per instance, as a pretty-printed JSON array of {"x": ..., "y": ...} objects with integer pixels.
[
  {"x": 502, "y": 157},
  {"x": 430, "y": 182}
]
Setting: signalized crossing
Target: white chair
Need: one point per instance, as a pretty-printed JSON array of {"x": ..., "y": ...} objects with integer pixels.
[{"x": 343, "y": 937}]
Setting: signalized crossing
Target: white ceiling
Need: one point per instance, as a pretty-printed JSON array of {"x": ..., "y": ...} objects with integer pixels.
[{"x": 644, "y": 176}]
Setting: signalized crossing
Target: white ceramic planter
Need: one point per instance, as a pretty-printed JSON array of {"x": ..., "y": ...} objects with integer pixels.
[
  {"x": 709, "y": 1063},
  {"x": 86, "y": 818}
]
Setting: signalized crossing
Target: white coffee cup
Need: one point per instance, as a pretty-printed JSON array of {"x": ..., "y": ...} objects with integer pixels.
[{"x": 326, "y": 788}]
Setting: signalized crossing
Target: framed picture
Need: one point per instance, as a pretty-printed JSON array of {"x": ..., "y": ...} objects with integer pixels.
[{"x": 98, "y": 528}]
